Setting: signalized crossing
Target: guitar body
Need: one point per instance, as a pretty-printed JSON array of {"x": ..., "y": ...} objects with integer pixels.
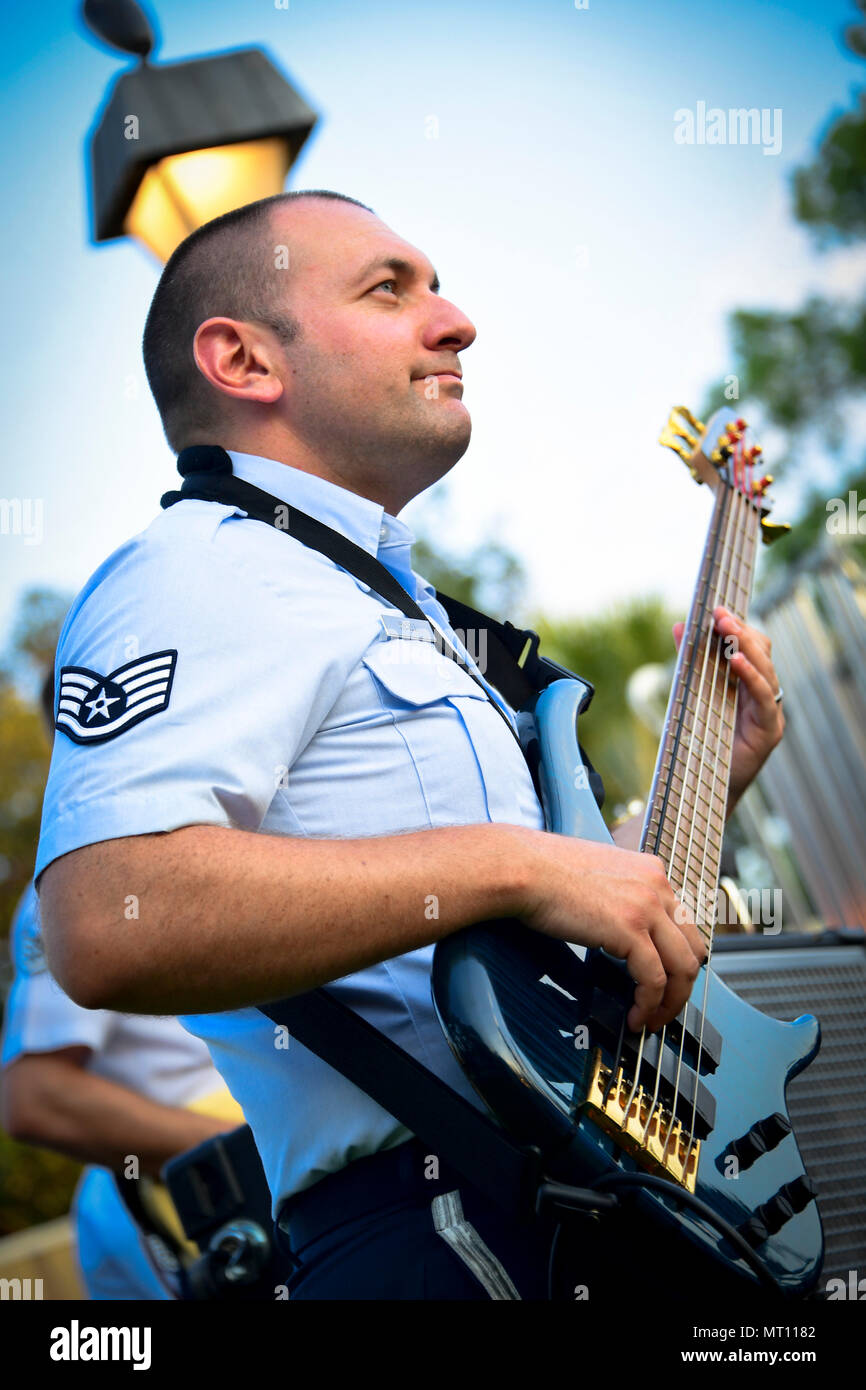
[{"x": 530, "y": 1019}]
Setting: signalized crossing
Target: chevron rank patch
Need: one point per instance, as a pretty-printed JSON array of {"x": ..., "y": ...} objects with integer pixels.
[{"x": 92, "y": 708}]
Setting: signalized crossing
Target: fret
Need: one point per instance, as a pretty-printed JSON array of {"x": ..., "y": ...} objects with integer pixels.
[
  {"x": 691, "y": 794},
  {"x": 688, "y": 729},
  {"x": 701, "y": 840},
  {"x": 723, "y": 568},
  {"x": 694, "y": 879},
  {"x": 713, "y": 693},
  {"x": 665, "y": 836},
  {"x": 725, "y": 596},
  {"x": 697, "y": 896},
  {"x": 703, "y": 867},
  {"x": 708, "y": 704},
  {"x": 701, "y": 819},
  {"x": 729, "y": 577},
  {"x": 715, "y": 727},
  {"x": 705, "y": 767},
  {"x": 697, "y": 888},
  {"x": 692, "y": 767},
  {"x": 694, "y": 736}
]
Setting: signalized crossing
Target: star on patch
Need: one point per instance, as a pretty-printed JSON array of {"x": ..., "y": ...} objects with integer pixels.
[{"x": 92, "y": 708}]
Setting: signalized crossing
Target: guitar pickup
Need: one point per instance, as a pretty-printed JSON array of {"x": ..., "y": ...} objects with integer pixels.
[
  {"x": 611, "y": 976},
  {"x": 693, "y": 1097}
]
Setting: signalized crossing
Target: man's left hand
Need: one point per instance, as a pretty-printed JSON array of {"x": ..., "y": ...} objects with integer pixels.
[{"x": 760, "y": 721}]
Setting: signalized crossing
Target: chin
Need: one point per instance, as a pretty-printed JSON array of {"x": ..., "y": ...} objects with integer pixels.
[{"x": 454, "y": 438}]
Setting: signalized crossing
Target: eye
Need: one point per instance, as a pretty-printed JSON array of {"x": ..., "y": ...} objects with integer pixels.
[{"x": 385, "y": 282}]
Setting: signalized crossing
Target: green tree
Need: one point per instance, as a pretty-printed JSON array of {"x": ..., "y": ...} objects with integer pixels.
[
  {"x": 35, "y": 1184},
  {"x": 830, "y": 193},
  {"x": 606, "y": 650},
  {"x": 806, "y": 367},
  {"x": 25, "y": 750},
  {"x": 24, "y": 756}
]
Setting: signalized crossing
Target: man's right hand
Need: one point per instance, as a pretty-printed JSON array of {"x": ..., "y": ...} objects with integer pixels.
[{"x": 599, "y": 895}]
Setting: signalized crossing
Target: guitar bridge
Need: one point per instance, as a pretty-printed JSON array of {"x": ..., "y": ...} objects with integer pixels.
[{"x": 653, "y": 1137}]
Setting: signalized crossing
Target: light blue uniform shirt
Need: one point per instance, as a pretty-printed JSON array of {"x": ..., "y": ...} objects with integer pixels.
[{"x": 257, "y": 685}]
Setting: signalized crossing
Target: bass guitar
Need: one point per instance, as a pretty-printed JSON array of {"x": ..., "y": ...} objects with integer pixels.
[{"x": 692, "y": 1120}]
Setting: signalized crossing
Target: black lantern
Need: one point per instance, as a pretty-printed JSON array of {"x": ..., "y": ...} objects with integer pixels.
[{"x": 176, "y": 144}]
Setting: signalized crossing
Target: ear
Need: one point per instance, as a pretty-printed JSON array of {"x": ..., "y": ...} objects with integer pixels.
[{"x": 236, "y": 358}]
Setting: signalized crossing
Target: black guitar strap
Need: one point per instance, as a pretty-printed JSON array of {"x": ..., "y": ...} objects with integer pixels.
[{"x": 453, "y": 1128}]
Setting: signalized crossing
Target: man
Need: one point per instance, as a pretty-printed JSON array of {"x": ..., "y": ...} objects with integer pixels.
[
  {"x": 290, "y": 795},
  {"x": 102, "y": 1087}
]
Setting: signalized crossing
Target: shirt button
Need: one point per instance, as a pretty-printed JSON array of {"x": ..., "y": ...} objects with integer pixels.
[{"x": 383, "y": 532}]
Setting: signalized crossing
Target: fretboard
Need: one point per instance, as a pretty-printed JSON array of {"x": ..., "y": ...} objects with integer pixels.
[{"x": 685, "y": 817}]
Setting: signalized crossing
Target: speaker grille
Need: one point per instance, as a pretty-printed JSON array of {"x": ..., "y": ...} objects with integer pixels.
[{"x": 826, "y": 1101}]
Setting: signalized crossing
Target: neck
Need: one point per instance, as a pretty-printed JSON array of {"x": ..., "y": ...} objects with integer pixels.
[
  {"x": 391, "y": 485},
  {"x": 686, "y": 813}
]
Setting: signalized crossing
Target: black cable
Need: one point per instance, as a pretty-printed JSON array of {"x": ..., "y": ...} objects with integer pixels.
[{"x": 649, "y": 1180}]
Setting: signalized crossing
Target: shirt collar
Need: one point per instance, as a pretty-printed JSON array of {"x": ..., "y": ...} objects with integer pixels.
[{"x": 361, "y": 520}]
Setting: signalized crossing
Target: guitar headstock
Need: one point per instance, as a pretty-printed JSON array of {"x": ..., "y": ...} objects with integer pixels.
[{"x": 723, "y": 453}]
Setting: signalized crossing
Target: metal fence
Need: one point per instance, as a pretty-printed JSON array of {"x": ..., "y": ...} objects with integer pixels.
[{"x": 815, "y": 781}]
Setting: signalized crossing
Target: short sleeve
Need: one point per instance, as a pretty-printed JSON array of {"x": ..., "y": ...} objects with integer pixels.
[
  {"x": 38, "y": 1016},
  {"x": 236, "y": 651}
]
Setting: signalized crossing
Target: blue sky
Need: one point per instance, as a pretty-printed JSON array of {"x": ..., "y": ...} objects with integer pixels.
[{"x": 597, "y": 257}]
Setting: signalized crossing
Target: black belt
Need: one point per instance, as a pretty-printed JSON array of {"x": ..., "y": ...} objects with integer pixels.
[{"x": 385, "y": 1179}]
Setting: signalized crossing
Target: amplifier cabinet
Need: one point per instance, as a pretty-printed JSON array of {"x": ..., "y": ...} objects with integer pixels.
[{"x": 826, "y": 976}]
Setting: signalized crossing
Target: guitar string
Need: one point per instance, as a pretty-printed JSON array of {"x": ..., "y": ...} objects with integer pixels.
[
  {"x": 737, "y": 552},
  {"x": 745, "y": 557},
  {"x": 728, "y": 550},
  {"x": 626, "y": 1107},
  {"x": 721, "y": 521},
  {"x": 749, "y": 528},
  {"x": 725, "y": 580},
  {"x": 729, "y": 544}
]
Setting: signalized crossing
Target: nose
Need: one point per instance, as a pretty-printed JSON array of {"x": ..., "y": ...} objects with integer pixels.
[{"x": 448, "y": 326}]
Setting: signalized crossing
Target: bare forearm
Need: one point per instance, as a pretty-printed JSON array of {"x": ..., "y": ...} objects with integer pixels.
[
  {"x": 60, "y": 1106},
  {"x": 226, "y": 918}
]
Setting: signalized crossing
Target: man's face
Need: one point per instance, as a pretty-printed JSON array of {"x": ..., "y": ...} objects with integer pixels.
[{"x": 366, "y": 391}]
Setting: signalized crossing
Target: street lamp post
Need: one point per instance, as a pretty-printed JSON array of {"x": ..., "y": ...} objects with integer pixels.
[{"x": 176, "y": 144}]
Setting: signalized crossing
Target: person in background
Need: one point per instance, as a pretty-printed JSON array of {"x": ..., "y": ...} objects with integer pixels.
[{"x": 105, "y": 1088}]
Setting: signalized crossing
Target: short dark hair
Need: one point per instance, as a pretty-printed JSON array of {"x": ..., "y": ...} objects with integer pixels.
[{"x": 225, "y": 268}]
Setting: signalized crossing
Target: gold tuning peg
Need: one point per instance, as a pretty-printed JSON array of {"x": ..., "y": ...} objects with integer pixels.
[
  {"x": 689, "y": 418},
  {"x": 772, "y": 530},
  {"x": 683, "y": 433},
  {"x": 720, "y": 456}
]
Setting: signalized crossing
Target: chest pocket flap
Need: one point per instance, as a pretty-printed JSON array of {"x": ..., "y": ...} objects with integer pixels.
[{"x": 416, "y": 673}]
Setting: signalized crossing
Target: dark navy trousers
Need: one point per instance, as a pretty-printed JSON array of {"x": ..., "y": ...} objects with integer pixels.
[{"x": 384, "y": 1228}]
